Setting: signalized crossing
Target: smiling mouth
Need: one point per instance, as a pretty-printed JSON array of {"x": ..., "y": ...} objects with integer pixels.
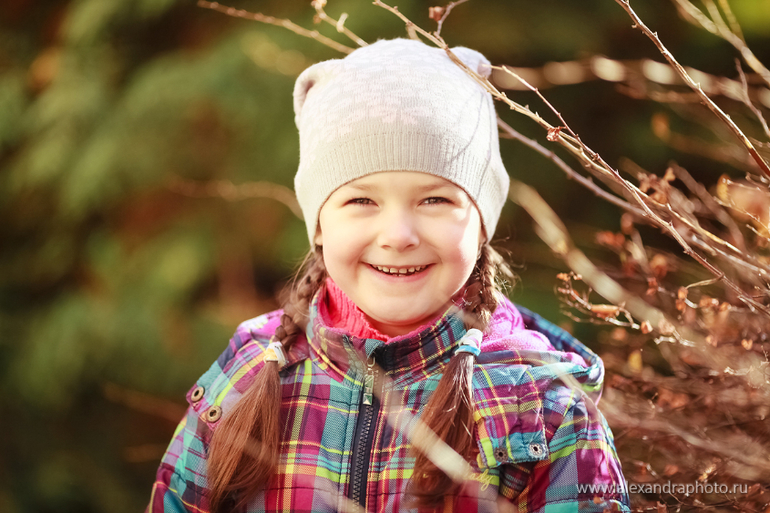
[{"x": 399, "y": 271}]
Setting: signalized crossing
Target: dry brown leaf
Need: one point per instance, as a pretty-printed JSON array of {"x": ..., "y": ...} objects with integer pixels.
[
  {"x": 660, "y": 265},
  {"x": 553, "y": 133},
  {"x": 435, "y": 13},
  {"x": 605, "y": 311}
]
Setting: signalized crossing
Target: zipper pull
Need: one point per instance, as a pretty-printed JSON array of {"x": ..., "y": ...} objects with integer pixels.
[{"x": 369, "y": 382}]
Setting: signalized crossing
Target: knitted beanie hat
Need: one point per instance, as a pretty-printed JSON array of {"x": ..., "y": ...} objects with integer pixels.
[{"x": 397, "y": 105}]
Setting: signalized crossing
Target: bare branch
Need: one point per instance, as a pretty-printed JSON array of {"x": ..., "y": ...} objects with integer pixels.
[
  {"x": 444, "y": 13},
  {"x": 433, "y": 38},
  {"x": 721, "y": 215},
  {"x": 751, "y": 460},
  {"x": 734, "y": 25},
  {"x": 509, "y": 132},
  {"x": 227, "y": 190},
  {"x": 318, "y": 5},
  {"x": 539, "y": 95},
  {"x": 638, "y": 23},
  {"x": 143, "y": 402},
  {"x": 270, "y": 20},
  {"x": 747, "y": 100},
  {"x": 718, "y": 27},
  {"x": 727, "y": 153},
  {"x": 554, "y": 233}
]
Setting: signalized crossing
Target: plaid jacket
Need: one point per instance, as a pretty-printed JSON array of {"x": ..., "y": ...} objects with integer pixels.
[{"x": 539, "y": 434}]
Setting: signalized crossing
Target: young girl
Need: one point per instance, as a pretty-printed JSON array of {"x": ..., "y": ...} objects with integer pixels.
[{"x": 396, "y": 325}]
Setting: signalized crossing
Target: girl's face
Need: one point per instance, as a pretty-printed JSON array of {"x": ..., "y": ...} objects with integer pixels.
[{"x": 400, "y": 244}]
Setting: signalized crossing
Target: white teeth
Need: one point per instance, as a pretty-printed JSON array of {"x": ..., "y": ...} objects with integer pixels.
[{"x": 402, "y": 271}]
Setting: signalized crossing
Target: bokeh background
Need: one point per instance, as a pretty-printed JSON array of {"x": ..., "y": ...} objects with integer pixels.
[{"x": 126, "y": 259}]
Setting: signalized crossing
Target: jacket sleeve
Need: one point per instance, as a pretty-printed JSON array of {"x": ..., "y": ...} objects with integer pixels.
[
  {"x": 177, "y": 488},
  {"x": 581, "y": 473}
]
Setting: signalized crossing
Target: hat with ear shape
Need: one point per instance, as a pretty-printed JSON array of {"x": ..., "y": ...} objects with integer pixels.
[{"x": 398, "y": 105}]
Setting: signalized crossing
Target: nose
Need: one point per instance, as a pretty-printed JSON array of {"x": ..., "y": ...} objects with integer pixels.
[{"x": 398, "y": 230}]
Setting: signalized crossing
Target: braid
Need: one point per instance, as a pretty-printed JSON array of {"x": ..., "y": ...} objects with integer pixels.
[
  {"x": 490, "y": 275},
  {"x": 244, "y": 449},
  {"x": 297, "y": 298},
  {"x": 449, "y": 412}
]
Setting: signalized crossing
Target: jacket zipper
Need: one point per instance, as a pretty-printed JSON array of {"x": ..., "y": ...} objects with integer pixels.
[{"x": 364, "y": 439}]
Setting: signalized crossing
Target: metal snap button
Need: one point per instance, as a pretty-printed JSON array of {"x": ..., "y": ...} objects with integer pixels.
[
  {"x": 197, "y": 394},
  {"x": 213, "y": 414},
  {"x": 535, "y": 449},
  {"x": 500, "y": 455}
]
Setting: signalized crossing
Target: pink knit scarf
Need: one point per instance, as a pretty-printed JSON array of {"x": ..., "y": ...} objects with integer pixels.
[{"x": 505, "y": 332}]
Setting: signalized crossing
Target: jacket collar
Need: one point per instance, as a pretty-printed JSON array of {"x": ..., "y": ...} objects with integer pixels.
[
  {"x": 517, "y": 336},
  {"x": 416, "y": 352}
]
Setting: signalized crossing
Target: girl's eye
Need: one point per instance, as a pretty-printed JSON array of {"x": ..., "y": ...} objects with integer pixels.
[
  {"x": 360, "y": 201},
  {"x": 436, "y": 200}
]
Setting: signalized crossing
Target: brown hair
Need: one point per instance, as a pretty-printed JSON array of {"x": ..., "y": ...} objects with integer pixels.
[{"x": 245, "y": 448}]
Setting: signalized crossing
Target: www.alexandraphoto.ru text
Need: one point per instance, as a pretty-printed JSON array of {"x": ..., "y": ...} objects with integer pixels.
[{"x": 668, "y": 487}]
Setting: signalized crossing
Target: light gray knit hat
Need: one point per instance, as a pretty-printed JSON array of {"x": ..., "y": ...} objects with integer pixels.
[{"x": 397, "y": 105}]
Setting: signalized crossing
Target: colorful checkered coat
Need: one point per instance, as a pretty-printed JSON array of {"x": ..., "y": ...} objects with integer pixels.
[{"x": 538, "y": 431}]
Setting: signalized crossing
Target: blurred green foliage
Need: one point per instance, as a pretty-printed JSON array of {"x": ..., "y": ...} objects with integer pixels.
[{"x": 117, "y": 291}]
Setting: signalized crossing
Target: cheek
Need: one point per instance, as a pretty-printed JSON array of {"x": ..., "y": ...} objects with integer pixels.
[
  {"x": 465, "y": 241},
  {"x": 340, "y": 257},
  {"x": 464, "y": 248}
]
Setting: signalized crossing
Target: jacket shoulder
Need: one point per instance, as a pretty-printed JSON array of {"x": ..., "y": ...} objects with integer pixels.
[
  {"x": 259, "y": 329},
  {"x": 229, "y": 376}
]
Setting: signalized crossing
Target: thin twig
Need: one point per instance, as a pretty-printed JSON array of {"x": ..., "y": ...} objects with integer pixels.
[
  {"x": 729, "y": 154},
  {"x": 554, "y": 233},
  {"x": 539, "y": 95},
  {"x": 616, "y": 416},
  {"x": 572, "y": 142},
  {"x": 653, "y": 36},
  {"x": 510, "y": 132},
  {"x": 445, "y": 15},
  {"x": 143, "y": 402},
  {"x": 750, "y": 270},
  {"x": 318, "y": 5},
  {"x": 716, "y": 16},
  {"x": 630, "y": 72},
  {"x": 702, "y": 283},
  {"x": 709, "y": 202},
  {"x": 227, "y": 190},
  {"x": 734, "y": 25},
  {"x": 270, "y": 20},
  {"x": 718, "y": 28},
  {"x": 747, "y": 99}
]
